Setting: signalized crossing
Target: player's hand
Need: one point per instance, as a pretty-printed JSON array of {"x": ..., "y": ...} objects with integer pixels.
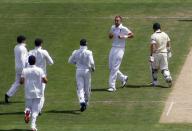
[
  {"x": 151, "y": 59},
  {"x": 92, "y": 69},
  {"x": 169, "y": 54},
  {"x": 110, "y": 35},
  {"x": 120, "y": 36}
]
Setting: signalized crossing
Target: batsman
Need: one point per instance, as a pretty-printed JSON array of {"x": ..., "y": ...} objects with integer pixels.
[{"x": 160, "y": 52}]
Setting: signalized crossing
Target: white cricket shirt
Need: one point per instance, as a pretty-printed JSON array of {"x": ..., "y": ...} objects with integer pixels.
[
  {"x": 116, "y": 31},
  {"x": 160, "y": 40},
  {"x": 82, "y": 58},
  {"x": 33, "y": 81},
  {"x": 21, "y": 55},
  {"x": 42, "y": 58}
]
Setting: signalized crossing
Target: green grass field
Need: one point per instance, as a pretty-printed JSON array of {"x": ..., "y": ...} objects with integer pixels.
[{"x": 62, "y": 23}]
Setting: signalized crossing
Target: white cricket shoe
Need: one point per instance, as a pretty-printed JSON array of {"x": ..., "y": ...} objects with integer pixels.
[
  {"x": 33, "y": 127},
  {"x": 110, "y": 89},
  {"x": 124, "y": 82}
]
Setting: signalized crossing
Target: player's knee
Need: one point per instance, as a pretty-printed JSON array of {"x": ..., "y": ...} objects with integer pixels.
[{"x": 154, "y": 70}]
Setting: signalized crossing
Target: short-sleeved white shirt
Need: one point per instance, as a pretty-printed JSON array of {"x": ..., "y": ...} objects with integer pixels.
[
  {"x": 160, "y": 40},
  {"x": 21, "y": 54},
  {"x": 42, "y": 58},
  {"x": 116, "y": 31},
  {"x": 33, "y": 81},
  {"x": 82, "y": 58}
]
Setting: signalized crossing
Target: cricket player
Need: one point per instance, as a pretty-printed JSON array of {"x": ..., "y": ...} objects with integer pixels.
[
  {"x": 42, "y": 59},
  {"x": 83, "y": 59},
  {"x": 33, "y": 77},
  {"x": 119, "y": 34},
  {"x": 160, "y": 50},
  {"x": 21, "y": 55}
]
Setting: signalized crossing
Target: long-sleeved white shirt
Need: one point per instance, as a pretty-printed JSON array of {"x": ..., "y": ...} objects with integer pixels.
[
  {"x": 42, "y": 58},
  {"x": 82, "y": 58},
  {"x": 21, "y": 55},
  {"x": 33, "y": 76}
]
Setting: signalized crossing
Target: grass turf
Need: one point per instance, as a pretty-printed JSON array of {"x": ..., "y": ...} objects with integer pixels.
[{"x": 62, "y": 24}]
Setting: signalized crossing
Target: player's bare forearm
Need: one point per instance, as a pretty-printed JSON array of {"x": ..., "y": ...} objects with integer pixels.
[
  {"x": 168, "y": 44},
  {"x": 151, "y": 49},
  {"x": 45, "y": 80},
  {"x": 130, "y": 35}
]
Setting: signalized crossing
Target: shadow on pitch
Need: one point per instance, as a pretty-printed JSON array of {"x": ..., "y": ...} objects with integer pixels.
[
  {"x": 15, "y": 130},
  {"x": 144, "y": 85},
  {"x": 74, "y": 112},
  {"x": 12, "y": 113}
]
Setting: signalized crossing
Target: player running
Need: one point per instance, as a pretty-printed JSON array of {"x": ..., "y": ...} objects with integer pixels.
[
  {"x": 83, "y": 59},
  {"x": 42, "y": 59},
  {"x": 21, "y": 55},
  {"x": 33, "y": 77}
]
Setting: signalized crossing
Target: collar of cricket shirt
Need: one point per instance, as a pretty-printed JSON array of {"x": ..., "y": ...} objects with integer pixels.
[
  {"x": 38, "y": 47},
  {"x": 120, "y": 26},
  {"x": 23, "y": 44},
  {"x": 158, "y": 31},
  {"x": 83, "y": 47},
  {"x": 31, "y": 66}
]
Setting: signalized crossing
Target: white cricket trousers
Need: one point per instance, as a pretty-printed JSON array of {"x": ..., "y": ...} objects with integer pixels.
[
  {"x": 42, "y": 101},
  {"x": 32, "y": 105},
  {"x": 115, "y": 58},
  {"x": 15, "y": 86},
  {"x": 160, "y": 61},
  {"x": 83, "y": 79}
]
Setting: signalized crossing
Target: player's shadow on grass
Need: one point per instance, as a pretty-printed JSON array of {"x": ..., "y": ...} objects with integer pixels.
[
  {"x": 130, "y": 86},
  {"x": 144, "y": 85},
  {"x": 185, "y": 20},
  {"x": 12, "y": 113},
  {"x": 74, "y": 112},
  {"x": 99, "y": 89},
  {"x": 12, "y": 102},
  {"x": 15, "y": 130}
]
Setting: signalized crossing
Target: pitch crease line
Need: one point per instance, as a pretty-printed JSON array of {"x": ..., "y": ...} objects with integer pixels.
[{"x": 170, "y": 108}]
